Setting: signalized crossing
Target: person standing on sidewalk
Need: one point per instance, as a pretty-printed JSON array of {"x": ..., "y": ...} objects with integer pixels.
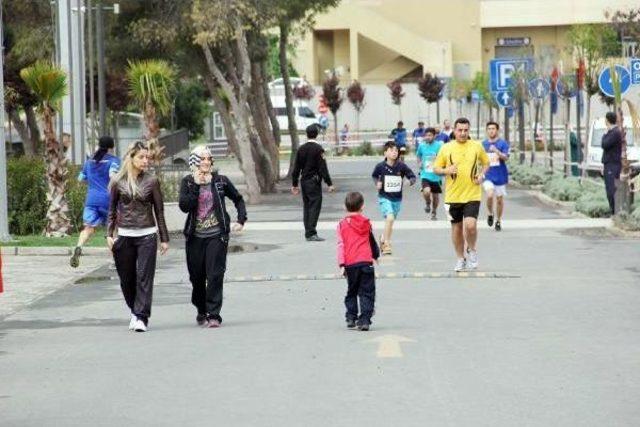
[
  {"x": 388, "y": 176},
  {"x": 310, "y": 169},
  {"x": 464, "y": 163},
  {"x": 611, "y": 158},
  {"x": 431, "y": 183},
  {"x": 96, "y": 172},
  {"x": 207, "y": 228},
  {"x": 495, "y": 183},
  {"x": 357, "y": 250},
  {"x": 136, "y": 211}
]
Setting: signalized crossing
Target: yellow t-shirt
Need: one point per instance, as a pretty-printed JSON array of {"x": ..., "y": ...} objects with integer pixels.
[{"x": 469, "y": 157}]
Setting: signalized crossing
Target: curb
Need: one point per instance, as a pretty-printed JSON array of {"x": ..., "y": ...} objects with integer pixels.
[{"x": 51, "y": 251}]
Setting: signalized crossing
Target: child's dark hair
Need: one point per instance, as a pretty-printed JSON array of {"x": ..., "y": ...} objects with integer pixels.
[
  {"x": 388, "y": 145},
  {"x": 354, "y": 201},
  {"x": 492, "y": 123},
  {"x": 430, "y": 130}
]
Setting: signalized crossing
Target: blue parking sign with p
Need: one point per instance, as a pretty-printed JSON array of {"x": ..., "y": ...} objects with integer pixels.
[
  {"x": 635, "y": 71},
  {"x": 502, "y": 70}
]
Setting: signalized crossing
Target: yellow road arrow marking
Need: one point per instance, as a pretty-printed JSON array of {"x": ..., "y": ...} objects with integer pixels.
[{"x": 389, "y": 345}]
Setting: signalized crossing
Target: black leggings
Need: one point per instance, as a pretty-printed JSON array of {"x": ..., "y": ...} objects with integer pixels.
[
  {"x": 135, "y": 259},
  {"x": 207, "y": 262}
]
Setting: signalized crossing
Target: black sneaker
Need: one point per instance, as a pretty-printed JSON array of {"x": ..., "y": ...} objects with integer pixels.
[
  {"x": 351, "y": 324},
  {"x": 427, "y": 209},
  {"x": 315, "y": 238},
  {"x": 363, "y": 325},
  {"x": 498, "y": 226},
  {"x": 201, "y": 319},
  {"x": 75, "y": 258},
  {"x": 490, "y": 220}
]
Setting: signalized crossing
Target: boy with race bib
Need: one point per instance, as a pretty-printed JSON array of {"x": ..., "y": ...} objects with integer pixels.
[
  {"x": 431, "y": 183},
  {"x": 495, "y": 183},
  {"x": 388, "y": 176}
]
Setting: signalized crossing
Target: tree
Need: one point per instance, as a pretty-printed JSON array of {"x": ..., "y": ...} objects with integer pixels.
[
  {"x": 151, "y": 85},
  {"x": 289, "y": 15},
  {"x": 430, "y": 88},
  {"x": 49, "y": 85},
  {"x": 333, "y": 97},
  {"x": 191, "y": 109},
  {"x": 28, "y": 37},
  {"x": 591, "y": 44},
  {"x": 395, "y": 90},
  {"x": 355, "y": 95}
]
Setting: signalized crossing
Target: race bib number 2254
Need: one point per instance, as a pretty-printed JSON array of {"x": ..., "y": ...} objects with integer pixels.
[{"x": 392, "y": 184}]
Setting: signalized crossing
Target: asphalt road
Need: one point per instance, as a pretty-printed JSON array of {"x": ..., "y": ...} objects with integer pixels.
[{"x": 549, "y": 335}]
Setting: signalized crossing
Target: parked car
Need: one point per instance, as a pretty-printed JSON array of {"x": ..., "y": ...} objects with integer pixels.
[
  {"x": 599, "y": 128},
  {"x": 304, "y": 115}
]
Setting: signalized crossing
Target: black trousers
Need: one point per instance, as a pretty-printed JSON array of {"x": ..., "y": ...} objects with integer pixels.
[
  {"x": 312, "y": 204},
  {"x": 207, "y": 262},
  {"x": 611, "y": 174},
  {"x": 361, "y": 281},
  {"x": 135, "y": 259}
]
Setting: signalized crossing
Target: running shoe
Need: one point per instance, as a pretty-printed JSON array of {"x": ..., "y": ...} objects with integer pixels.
[
  {"x": 75, "y": 258},
  {"x": 140, "y": 326},
  {"x": 201, "y": 319},
  {"x": 386, "y": 249},
  {"x": 213, "y": 323},
  {"x": 490, "y": 220},
  {"x": 434, "y": 216},
  {"x": 472, "y": 260},
  {"x": 498, "y": 226},
  {"x": 427, "y": 209},
  {"x": 351, "y": 324},
  {"x": 315, "y": 238},
  {"x": 461, "y": 265},
  {"x": 364, "y": 326},
  {"x": 132, "y": 322}
]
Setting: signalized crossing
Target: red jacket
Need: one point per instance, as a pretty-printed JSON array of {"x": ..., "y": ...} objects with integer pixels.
[{"x": 356, "y": 243}]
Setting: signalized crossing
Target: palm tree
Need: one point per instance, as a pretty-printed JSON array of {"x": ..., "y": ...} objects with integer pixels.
[
  {"x": 151, "y": 84},
  {"x": 49, "y": 85}
]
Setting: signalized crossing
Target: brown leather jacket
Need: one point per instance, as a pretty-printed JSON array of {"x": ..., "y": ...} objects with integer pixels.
[{"x": 137, "y": 212}]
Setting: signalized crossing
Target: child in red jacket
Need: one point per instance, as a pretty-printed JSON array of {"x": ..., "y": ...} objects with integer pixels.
[{"x": 357, "y": 250}]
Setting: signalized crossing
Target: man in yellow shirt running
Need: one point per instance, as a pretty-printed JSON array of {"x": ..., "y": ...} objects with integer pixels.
[{"x": 464, "y": 163}]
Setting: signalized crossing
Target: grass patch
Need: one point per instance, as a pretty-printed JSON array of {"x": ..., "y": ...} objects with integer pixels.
[{"x": 37, "y": 240}]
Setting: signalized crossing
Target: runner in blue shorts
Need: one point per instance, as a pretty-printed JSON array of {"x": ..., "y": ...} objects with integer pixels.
[
  {"x": 388, "y": 176},
  {"x": 96, "y": 172}
]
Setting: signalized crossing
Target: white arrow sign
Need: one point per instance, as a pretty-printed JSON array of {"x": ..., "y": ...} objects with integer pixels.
[
  {"x": 505, "y": 98},
  {"x": 389, "y": 345}
]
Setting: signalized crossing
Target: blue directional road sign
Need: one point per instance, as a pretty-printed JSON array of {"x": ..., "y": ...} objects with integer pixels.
[
  {"x": 539, "y": 88},
  {"x": 635, "y": 71},
  {"x": 566, "y": 92},
  {"x": 504, "y": 98},
  {"x": 501, "y": 70},
  {"x": 606, "y": 85}
]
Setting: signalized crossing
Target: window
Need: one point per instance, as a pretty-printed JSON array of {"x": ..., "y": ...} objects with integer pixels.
[
  {"x": 306, "y": 112},
  {"x": 218, "y": 128},
  {"x": 596, "y": 140}
]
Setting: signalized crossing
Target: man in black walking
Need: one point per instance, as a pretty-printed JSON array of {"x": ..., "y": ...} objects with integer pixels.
[
  {"x": 611, "y": 157},
  {"x": 311, "y": 169}
]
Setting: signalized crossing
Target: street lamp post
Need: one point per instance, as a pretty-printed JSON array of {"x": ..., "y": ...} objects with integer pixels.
[{"x": 4, "y": 213}]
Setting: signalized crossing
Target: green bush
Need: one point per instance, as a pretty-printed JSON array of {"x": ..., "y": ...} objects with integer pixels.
[
  {"x": 364, "y": 149},
  {"x": 27, "y": 195},
  {"x": 170, "y": 186},
  {"x": 27, "y": 199},
  {"x": 593, "y": 204},
  {"x": 563, "y": 189},
  {"x": 529, "y": 175}
]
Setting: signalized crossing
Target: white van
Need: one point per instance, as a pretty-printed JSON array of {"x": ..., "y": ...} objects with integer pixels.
[
  {"x": 598, "y": 129},
  {"x": 304, "y": 115}
]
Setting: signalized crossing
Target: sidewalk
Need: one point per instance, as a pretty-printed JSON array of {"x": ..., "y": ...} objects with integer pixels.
[{"x": 29, "y": 278}]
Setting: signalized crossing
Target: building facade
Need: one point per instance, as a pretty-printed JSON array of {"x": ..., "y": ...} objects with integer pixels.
[{"x": 376, "y": 41}]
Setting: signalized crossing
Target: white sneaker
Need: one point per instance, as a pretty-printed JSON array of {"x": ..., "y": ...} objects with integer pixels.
[
  {"x": 472, "y": 260},
  {"x": 461, "y": 264},
  {"x": 140, "y": 326},
  {"x": 132, "y": 323}
]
